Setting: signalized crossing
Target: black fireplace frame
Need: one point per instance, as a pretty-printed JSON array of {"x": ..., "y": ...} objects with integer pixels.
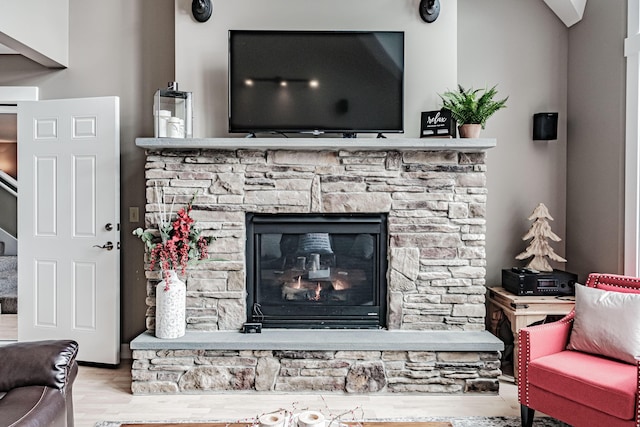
[{"x": 289, "y": 315}]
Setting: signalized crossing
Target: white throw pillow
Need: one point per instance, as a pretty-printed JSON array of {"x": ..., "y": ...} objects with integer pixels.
[{"x": 606, "y": 323}]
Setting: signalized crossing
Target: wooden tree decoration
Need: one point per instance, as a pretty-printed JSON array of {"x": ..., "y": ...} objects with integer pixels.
[{"x": 539, "y": 247}]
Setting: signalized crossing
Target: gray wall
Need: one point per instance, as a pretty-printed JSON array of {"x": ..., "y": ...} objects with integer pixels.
[
  {"x": 202, "y": 49},
  {"x": 498, "y": 42},
  {"x": 126, "y": 48},
  {"x": 522, "y": 47},
  {"x": 48, "y": 45},
  {"x": 596, "y": 132},
  {"x": 123, "y": 48}
]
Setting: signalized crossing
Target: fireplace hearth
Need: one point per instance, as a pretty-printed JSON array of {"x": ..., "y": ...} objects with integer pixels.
[{"x": 316, "y": 271}]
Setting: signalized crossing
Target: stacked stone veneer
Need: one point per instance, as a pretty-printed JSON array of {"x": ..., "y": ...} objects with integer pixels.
[
  {"x": 190, "y": 371},
  {"x": 435, "y": 202},
  {"x": 436, "y": 208}
]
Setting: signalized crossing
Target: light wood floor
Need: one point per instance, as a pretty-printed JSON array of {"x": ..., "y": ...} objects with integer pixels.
[
  {"x": 102, "y": 394},
  {"x": 8, "y": 326}
]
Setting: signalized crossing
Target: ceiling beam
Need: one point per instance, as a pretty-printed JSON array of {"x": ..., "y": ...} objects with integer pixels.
[{"x": 569, "y": 11}]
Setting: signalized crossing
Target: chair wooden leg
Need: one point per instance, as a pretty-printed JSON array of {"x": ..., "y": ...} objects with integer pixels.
[{"x": 526, "y": 414}]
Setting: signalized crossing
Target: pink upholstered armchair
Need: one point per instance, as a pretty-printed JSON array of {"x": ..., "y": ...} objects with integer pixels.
[{"x": 579, "y": 388}]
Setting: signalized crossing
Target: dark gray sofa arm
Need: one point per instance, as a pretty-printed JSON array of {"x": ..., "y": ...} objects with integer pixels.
[{"x": 46, "y": 363}]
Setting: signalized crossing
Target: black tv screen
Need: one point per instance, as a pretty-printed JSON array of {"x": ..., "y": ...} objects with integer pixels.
[{"x": 316, "y": 81}]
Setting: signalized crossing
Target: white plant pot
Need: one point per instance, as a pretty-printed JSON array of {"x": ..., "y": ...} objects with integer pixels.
[{"x": 171, "y": 307}]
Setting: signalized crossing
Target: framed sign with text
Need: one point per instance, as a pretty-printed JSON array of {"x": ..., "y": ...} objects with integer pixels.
[{"x": 437, "y": 124}]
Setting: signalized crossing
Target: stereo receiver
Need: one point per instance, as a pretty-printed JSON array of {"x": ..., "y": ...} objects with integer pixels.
[{"x": 525, "y": 281}]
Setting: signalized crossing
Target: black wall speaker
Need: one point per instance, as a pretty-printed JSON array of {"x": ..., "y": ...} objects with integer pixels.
[
  {"x": 202, "y": 10},
  {"x": 429, "y": 10},
  {"x": 545, "y": 126}
]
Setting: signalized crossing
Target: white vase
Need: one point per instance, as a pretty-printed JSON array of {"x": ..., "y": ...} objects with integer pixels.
[{"x": 171, "y": 307}]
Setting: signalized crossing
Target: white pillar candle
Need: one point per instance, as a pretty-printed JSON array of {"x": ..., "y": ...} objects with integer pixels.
[
  {"x": 271, "y": 420},
  {"x": 310, "y": 419}
]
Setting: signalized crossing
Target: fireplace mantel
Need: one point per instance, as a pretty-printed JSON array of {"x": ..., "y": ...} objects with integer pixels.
[{"x": 318, "y": 144}]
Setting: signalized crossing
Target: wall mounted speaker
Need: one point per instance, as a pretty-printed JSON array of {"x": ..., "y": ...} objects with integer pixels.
[
  {"x": 429, "y": 10},
  {"x": 202, "y": 10},
  {"x": 545, "y": 126}
]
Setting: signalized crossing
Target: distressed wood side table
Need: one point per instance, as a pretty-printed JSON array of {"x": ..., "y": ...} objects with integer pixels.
[{"x": 522, "y": 311}]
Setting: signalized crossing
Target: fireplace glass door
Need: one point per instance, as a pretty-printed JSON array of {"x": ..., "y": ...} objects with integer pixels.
[{"x": 311, "y": 271}]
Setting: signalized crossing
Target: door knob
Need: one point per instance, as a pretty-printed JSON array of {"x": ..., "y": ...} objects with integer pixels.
[
  {"x": 108, "y": 226},
  {"x": 108, "y": 246}
]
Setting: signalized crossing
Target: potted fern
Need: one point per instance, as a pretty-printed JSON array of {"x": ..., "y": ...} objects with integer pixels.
[{"x": 471, "y": 108}]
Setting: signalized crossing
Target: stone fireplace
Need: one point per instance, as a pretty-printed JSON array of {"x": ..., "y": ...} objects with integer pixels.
[{"x": 431, "y": 196}]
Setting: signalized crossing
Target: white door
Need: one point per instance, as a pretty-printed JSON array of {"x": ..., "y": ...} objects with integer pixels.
[{"x": 69, "y": 224}]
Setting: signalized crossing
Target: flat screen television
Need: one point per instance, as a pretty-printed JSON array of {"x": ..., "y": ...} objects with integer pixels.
[{"x": 345, "y": 82}]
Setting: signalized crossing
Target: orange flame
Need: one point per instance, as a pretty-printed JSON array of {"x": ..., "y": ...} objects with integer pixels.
[
  {"x": 318, "y": 290},
  {"x": 339, "y": 285},
  {"x": 298, "y": 284}
]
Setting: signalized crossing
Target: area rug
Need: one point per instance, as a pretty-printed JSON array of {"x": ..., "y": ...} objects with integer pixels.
[{"x": 456, "y": 421}]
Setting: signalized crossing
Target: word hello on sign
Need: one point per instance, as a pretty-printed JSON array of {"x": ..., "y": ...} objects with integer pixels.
[{"x": 437, "y": 124}]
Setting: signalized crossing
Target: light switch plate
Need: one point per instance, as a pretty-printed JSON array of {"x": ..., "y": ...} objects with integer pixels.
[{"x": 134, "y": 214}]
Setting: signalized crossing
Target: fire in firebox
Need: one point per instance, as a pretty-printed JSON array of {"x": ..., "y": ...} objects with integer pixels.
[
  {"x": 317, "y": 270},
  {"x": 310, "y": 290}
]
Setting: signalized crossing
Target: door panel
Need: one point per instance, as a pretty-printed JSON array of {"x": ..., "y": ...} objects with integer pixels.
[
  {"x": 84, "y": 127},
  {"x": 84, "y": 196},
  {"x": 46, "y": 301},
  {"x": 45, "y": 196},
  {"x": 69, "y": 286},
  {"x": 84, "y": 283},
  {"x": 46, "y": 129}
]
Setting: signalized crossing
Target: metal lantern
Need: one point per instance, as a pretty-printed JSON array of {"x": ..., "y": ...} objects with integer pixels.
[{"x": 172, "y": 111}]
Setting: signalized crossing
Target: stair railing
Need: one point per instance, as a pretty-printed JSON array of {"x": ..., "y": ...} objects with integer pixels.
[
  {"x": 8, "y": 183},
  {"x": 10, "y": 243}
]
